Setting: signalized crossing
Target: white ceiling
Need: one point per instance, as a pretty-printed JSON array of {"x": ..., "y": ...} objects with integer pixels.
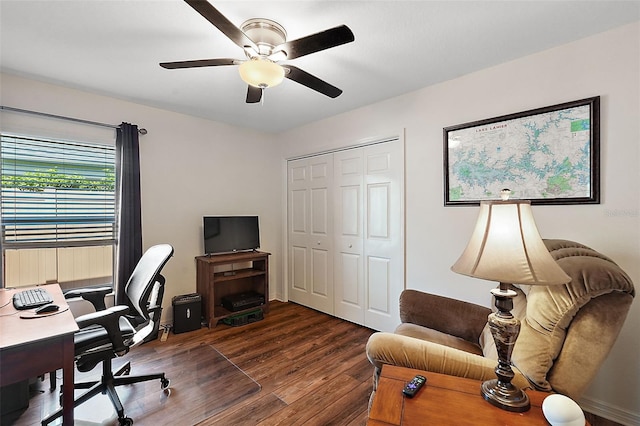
[{"x": 113, "y": 47}]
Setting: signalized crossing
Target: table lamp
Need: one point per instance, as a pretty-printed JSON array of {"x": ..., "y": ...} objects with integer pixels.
[{"x": 506, "y": 247}]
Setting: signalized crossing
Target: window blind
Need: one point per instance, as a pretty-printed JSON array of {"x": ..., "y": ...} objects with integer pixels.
[{"x": 56, "y": 193}]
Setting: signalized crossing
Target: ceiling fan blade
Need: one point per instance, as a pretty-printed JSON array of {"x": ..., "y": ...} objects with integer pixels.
[
  {"x": 200, "y": 63},
  {"x": 311, "y": 81},
  {"x": 212, "y": 15},
  {"x": 254, "y": 94},
  {"x": 316, "y": 42}
]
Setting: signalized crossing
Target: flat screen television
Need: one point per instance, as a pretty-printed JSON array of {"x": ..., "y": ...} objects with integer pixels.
[{"x": 224, "y": 234}]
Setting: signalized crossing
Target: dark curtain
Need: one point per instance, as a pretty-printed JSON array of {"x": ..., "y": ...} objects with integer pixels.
[
  {"x": 129, "y": 217},
  {"x": 1, "y": 262}
]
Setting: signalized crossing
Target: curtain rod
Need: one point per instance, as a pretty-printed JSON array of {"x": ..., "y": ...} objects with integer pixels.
[{"x": 142, "y": 131}]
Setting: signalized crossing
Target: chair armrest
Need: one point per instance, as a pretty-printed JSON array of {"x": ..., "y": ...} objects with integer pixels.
[
  {"x": 109, "y": 319},
  {"x": 455, "y": 317},
  {"x": 154, "y": 309},
  {"x": 94, "y": 295},
  {"x": 388, "y": 348}
]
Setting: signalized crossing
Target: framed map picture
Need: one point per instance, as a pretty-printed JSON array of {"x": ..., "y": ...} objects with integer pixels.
[{"x": 547, "y": 155}]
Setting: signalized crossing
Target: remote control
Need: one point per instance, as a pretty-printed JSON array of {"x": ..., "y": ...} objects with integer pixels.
[{"x": 414, "y": 386}]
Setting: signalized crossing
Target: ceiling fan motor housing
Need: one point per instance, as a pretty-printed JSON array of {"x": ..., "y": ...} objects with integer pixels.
[{"x": 265, "y": 33}]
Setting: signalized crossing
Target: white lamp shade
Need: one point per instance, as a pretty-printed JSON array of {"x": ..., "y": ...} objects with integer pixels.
[
  {"x": 506, "y": 247},
  {"x": 261, "y": 73}
]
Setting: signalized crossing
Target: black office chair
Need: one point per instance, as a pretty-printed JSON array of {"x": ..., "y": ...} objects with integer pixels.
[{"x": 111, "y": 332}]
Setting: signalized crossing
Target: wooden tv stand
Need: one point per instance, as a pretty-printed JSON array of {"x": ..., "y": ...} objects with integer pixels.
[{"x": 218, "y": 277}]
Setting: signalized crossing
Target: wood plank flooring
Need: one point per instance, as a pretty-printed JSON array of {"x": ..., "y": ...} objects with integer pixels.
[{"x": 312, "y": 368}]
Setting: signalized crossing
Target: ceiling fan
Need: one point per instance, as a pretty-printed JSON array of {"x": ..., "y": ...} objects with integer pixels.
[{"x": 265, "y": 45}]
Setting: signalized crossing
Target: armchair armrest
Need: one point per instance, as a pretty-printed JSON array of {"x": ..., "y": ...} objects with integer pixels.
[
  {"x": 94, "y": 295},
  {"x": 455, "y": 317},
  {"x": 388, "y": 348},
  {"x": 109, "y": 319}
]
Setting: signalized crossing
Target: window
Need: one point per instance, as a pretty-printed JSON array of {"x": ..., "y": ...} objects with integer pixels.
[{"x": 58, "y": 211}]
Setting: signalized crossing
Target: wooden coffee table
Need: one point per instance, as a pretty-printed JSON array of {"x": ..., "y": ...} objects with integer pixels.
[{"x": 443, "y": 400}]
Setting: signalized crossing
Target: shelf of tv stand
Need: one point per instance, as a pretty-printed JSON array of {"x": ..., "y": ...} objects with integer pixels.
[
  {"x": 213, "y": 283},
  {"x": 237, "y": 274},
  {"x": 220, "y": 312}
]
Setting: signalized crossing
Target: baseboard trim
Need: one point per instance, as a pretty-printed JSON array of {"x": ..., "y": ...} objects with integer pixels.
[{"x": 607, "y": 411}]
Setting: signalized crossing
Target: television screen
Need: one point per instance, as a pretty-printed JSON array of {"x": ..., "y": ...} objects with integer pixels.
[{"x": 230, "y": 233}]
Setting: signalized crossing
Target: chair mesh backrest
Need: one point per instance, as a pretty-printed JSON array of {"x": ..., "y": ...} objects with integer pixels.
[{"x": 144, "y": 276}]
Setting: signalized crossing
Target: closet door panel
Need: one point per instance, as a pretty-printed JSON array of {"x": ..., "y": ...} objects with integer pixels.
[
  {"x": 349, "y": 224},
  {"x": 320, "y": 274},
  {"x": 384, "y": 235},
  {"x": 298, "y": 212},
  {"x": 310, "y": 232},
  {"x": 298, "y": 231},
  {"x": 379, "y": 285},
  {"x": 321, "y": 237},
  {"x": 378, "y": 226},
  {"x": 350, "y": 276},
  {"x": 299, "y": 275}
]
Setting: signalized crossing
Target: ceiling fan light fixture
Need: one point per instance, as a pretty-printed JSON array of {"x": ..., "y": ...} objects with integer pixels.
[{"x": 261, "y": 73}]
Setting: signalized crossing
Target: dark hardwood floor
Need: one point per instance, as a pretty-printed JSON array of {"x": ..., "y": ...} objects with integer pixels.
[{"x": 312, "y": 368}]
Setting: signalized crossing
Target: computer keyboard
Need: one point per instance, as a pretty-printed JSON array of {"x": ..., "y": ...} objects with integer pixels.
[{"x": 31, "y": 298}]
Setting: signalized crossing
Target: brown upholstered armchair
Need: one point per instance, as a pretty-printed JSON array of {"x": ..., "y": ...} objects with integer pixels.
[{"x": 567, "y": 330}]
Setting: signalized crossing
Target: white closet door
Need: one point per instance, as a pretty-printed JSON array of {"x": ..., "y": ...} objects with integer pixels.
[
  {"x": 384, "y": 234},
  {"x": 310, "y": 232},
  {"x": 349, "y": 238},
  {"x": 346, "y": 233}
]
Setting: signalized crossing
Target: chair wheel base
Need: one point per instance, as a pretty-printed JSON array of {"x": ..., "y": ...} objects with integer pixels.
[
  {"x": 125, "y": 421},
  {"x": 164, "y": 383}
]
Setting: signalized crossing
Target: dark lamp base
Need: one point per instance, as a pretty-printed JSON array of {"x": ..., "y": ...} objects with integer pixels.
[{"x": 505, "y": 396}]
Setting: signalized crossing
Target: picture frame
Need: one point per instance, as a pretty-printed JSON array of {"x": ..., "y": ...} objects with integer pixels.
[{"x": 548, "y": 155}]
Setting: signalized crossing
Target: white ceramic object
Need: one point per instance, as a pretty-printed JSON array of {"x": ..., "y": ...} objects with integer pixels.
[{"x": 560, "y": 410}]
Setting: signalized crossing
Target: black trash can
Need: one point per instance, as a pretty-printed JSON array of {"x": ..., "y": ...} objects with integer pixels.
[{"x": 187, "y": 312}]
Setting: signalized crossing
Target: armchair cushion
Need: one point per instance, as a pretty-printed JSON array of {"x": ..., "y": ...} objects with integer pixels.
[
  {"x": 430, "y": 335},
  {"x": 551, "y": 309},
  {"x": 436, "y": 319},
  {"x": 443, "y": 314}
]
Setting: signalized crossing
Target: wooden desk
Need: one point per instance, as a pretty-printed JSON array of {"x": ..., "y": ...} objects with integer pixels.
[
  {"x": 443, "y": 400},
  {"x": 31, "y": 347}
]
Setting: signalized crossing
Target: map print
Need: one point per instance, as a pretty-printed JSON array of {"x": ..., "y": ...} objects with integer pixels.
[{"x": 538, "y": 157}]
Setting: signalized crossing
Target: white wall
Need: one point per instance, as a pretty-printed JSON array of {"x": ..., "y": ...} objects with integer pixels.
[
  {"x": 605, "y": 65},
  {"x": 189, "y": 168}
]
